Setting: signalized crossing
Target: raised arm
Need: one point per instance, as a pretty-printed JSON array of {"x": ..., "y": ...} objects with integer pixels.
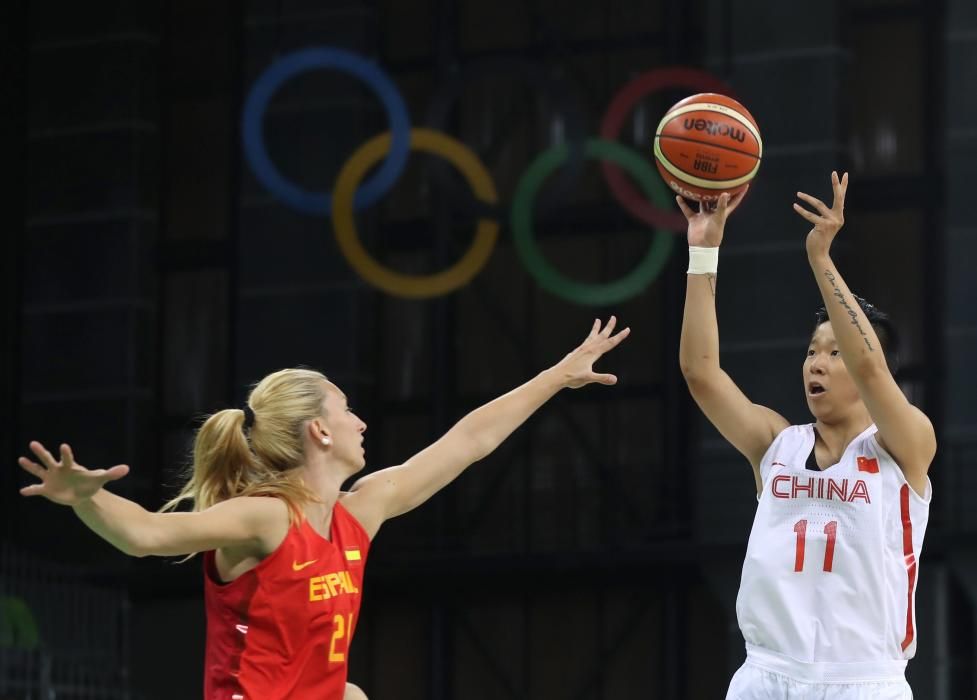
[
  {"x": 748, "y": 427},
  {"x": 397, "y": 490},
  {"x": 256, "y": 524},
  {"x": 903, "y": 430}
]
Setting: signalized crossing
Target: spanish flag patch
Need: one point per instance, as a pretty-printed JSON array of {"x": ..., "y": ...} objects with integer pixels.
[{"x": 353, "y": 554}]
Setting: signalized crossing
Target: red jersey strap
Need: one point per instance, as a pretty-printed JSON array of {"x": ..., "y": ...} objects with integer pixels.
[{"x": 347, "y": 530}]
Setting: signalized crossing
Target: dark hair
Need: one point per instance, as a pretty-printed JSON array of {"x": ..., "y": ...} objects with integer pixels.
[{"x": 879, "y": 320}]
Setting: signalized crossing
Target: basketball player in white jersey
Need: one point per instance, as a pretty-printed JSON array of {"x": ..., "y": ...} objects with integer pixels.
[{"x": 826, "y": 596}]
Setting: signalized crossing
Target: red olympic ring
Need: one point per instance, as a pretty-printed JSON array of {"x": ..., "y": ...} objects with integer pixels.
[{"x": 617, "y": 112}]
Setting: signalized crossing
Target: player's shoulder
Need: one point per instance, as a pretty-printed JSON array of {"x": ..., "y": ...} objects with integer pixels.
[
  {"x": 787, "y": 441},
  {"x": 795, "y": 432},
  {"x": 266, "y": 518},
  {"x": 349, "y": 514},
  {"x": 870, "y": 454},
  {"x": 257, "y": 506},
  {"x": 870, "y": 444},
  {"x": 250, "y": 526}
]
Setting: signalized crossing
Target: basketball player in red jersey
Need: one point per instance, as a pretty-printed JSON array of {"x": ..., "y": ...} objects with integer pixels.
[
  {"x": 285, "y": 549},
  {"x": 826, "y": 598}
]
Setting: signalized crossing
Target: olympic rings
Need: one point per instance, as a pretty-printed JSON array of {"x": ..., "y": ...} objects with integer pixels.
[
  {"x": 398, "y": 284},
  {"x": 617, "y": 112},
  {"x": 560, "y": 93},
  {"x": 548, "y": 276},
  {"x": 649, "y": 204},
  {"x": 338, "y": 59}
]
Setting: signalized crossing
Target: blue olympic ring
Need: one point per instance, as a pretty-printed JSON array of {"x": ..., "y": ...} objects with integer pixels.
[{"x": 347, "y": 62}]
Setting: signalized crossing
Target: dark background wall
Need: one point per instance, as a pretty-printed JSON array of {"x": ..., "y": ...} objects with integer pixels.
[{"x": 148, "y": 277}]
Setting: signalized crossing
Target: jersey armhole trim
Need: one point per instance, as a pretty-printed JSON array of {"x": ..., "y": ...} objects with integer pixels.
[
  {"x": 924, "y": 498},
  {"x": 352, "y": 518},
  {"x": 256, "y": 569},
  {"x": 766, "y": 453}
]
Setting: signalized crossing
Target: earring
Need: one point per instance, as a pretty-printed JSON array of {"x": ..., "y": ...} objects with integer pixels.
[{"x": 326, "y": 441}]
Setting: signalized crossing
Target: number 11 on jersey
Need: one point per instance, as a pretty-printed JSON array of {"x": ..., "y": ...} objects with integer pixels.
[{"x": 830, "y": 529}]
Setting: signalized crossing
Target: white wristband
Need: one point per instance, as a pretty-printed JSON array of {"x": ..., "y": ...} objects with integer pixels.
[{"x": 703, "y": 261}]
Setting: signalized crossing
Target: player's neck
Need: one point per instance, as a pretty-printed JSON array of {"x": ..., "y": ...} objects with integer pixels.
[
  {"x": 838, "y": 434},
  {"x": 324, "y": 479}
]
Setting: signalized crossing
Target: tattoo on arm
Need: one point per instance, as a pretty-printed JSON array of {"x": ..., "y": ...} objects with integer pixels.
[
  {"x": 712, "y": 282},
  {"x": 852, "y": 314}
]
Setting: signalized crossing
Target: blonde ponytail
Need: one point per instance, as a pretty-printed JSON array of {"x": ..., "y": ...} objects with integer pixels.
[{"x": 226, "y": 466}]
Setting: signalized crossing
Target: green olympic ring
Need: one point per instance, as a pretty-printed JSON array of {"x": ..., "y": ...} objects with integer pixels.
[{"x": 588, "y": 294}]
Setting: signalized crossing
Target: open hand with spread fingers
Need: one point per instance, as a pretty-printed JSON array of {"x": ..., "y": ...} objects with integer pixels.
[
  {"x": 65, "y": 482},
  {"x": 827, "y": 221},
  {"x": 576, "y": 369},
  {"x": 706, "y": 225}
]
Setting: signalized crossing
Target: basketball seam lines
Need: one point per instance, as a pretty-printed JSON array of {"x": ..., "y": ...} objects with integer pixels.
[
  {"x": 708, "y": 143},
  {"x": 696, "y": 181}
]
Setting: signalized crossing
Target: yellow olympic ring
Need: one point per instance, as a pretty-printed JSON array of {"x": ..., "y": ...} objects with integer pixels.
[{"x": 398, "y": 284}]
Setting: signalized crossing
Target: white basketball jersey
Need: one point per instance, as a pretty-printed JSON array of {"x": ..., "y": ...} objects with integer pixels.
[{"x": 833, "y": 559}]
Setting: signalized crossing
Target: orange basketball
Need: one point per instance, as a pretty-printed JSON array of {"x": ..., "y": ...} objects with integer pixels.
[{"x": 708, "y": 144}]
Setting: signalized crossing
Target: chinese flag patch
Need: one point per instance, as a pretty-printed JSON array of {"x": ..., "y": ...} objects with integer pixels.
[{"x": 870, "y": 465}]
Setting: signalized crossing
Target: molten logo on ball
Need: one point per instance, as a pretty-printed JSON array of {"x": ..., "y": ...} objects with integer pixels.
[{"x": 714, "y": 128}]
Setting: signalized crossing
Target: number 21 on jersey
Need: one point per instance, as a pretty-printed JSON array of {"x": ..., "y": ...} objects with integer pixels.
[
  {"x": 342, "y": 629},
  {"x": 830, "y": 529}
]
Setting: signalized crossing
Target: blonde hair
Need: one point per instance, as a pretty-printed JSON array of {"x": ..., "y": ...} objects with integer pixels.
[{"x": 228, "y": 463}]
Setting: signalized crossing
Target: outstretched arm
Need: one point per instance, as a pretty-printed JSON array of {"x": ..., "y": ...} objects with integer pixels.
[
  {"x": 750, "y": 428},
  {"x": 397, "y": 490},
  {"x": 252, "y": 523},
  {"x": 904, "y": 431}
]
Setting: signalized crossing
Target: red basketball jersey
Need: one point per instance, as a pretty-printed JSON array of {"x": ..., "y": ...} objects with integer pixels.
[{"x": 283, "y": 629}]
